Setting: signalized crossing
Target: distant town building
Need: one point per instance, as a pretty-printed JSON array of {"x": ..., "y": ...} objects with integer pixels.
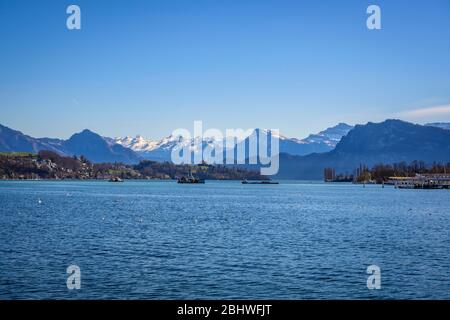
[{"x": 329, "y": 174}]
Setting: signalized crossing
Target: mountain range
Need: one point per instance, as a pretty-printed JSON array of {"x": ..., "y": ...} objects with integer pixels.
[
  {"x": 86, "y": 143},
  {"x": 323, "y": 141},
  {"x": 131, "y": 150},
  {"x": 388, "y": 142},
  {"x": 342, "y": 147}
]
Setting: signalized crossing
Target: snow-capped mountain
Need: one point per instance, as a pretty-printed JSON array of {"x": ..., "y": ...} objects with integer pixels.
[
  {"x": 331, "y": 136},
  {"x": 327, "y": 139},
  {"x": 137, "y": 144},
  {"x": 161, "y": 150},
  {"x": 152, "y": 149}
]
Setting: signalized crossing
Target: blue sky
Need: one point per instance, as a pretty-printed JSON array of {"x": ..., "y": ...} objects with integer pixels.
[{"x": 149, "y": 67}]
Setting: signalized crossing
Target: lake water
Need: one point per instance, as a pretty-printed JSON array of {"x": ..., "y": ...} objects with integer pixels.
[{"x": 222, "y": 240}]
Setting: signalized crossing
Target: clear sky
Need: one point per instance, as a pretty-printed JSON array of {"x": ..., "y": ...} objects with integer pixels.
[{"x": 149, "y": 67}]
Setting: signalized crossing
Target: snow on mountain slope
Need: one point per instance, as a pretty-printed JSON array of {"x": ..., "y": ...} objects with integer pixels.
[
  {"x": 137, "y": 144},
  {"x": 161, "y": 150},
  {"x": 329, "y": 137}
]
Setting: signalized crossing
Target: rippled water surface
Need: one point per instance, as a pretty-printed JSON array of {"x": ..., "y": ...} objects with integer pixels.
[{"x": 161, "y": 240}]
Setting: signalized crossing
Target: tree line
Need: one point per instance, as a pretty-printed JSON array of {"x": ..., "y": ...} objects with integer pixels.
[
  {"x": 51, "y": 165},
  {"x": 382, "y": 172}
]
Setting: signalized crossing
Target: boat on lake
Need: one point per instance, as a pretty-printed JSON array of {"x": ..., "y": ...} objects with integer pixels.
[
  {"x": 422, "y": 181},
  {"x": 115, "y": 179},
  {"x": 190, "y": 179}
]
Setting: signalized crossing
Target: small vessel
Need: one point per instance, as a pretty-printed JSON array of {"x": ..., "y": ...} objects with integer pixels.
[
  {"x": 245, "y": 181},
  {"x": 115, "y": 179},
  {"x": 190, "y": 179}
]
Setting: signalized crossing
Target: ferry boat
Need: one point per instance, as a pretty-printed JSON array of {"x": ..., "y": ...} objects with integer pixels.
[
  {"x": 190, "y": 179},
  {"x": 422, "y": 181}
]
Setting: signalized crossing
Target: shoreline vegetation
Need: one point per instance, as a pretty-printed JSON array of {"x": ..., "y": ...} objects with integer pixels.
[
  {"x": 384, "y": 173},
  {"x": 48, "y": 165}
]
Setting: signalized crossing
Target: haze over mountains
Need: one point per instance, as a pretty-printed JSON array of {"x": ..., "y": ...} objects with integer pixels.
[{"x": 342, "y": 147}]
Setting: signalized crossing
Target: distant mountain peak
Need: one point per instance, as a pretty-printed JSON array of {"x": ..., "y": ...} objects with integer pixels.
[
  {"x": 98, "y": 149},
  {"x": 391, "y": 135},
  {"x": 137, "y": 144},
  {"x": 342, "y": 125},
  {"x": 85, "y": 143},
  {"x": 87, "y": 131},
  {"x": 330, "y": 136},
  {"x": 15, "y": 141},
  {"x": 388, "y": 142}
]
